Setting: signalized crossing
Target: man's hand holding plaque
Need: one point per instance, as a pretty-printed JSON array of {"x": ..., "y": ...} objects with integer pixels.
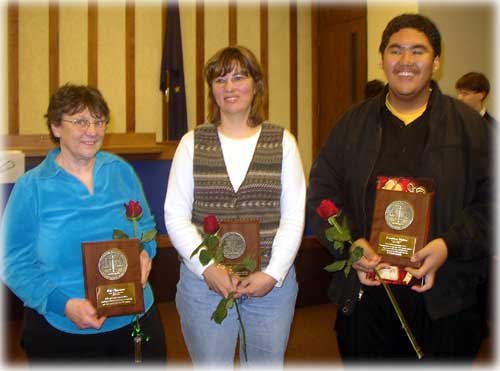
[{"x": 401, "y": 225}]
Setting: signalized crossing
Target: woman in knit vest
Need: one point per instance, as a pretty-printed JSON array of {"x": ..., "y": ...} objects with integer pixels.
[{"x": 237, "y": 166}]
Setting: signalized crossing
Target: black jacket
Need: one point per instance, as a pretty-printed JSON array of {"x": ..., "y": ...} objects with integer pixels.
[{"x": 456, "y": 156}]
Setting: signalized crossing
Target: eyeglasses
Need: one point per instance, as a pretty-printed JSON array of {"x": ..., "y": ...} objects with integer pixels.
[
  {"x": 236, "y": 79},
  {"x": 85, "y": 123}
]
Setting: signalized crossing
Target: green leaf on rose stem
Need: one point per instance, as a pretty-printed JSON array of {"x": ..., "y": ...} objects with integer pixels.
[
  {"x": 230, "y": 301},
  {"x": 356, "y": 254},
  {"x": 220, "y": 312},
  {"x": 240, "y": 267},
  {"x": 337, "y": 234},
  {"x": 205, "y": 257},
  {"x": 219, "y": 255},
  {"x": 338, "y": 245},
  {"x": 335, "y": 266},
  {"x": 119, "y": 235},
  {"x": 250, "y": 263},
  {"x": 141, "y": 246},
  {"x": 347, "y": 268},
  {"x": 212, "y": 241},
  {"x": 330, "y": 233},
  {"x": 149, "y": 235},
  {"x": 202, "y": 244}
]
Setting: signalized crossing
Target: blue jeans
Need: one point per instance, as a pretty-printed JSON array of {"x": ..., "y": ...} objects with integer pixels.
[{"x": 267, "y": 322}]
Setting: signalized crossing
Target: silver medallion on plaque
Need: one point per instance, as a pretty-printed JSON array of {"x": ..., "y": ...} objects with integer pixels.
[
  {"x": 113, "y": 264},
  {"x": 399, "y": 215},
  {"x": 233, "y": 245}
]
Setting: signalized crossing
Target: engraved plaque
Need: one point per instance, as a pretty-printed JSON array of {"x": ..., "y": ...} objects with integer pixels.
[
  {"x": 240, "y": 240},
  {"x": 400, "y": 227},
  {"x": 112, "y": 275},
  {"x": 113, "y": 264},
  {"x": 233, "y": 245},
  {"x": 399, "y": 215}
]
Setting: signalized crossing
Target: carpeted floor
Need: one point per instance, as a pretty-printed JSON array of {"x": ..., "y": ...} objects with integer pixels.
[{"x": 312, "y": 340}]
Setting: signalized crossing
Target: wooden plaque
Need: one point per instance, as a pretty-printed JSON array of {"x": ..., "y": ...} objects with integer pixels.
[
  {"x": 239, "y": 240},
  {"x": 112, "y": 275},
  {"x": 400, "y": 227}
]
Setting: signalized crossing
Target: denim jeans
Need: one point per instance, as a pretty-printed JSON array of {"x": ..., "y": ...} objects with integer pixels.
[{"x": 267, "y": 322}]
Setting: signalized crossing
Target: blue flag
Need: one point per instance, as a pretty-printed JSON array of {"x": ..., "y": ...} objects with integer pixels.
[{"x": 172, "y": 73}]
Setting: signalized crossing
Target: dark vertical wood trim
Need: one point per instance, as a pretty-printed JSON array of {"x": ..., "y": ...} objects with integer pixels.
[
  {"x": 130, "y": 65},
  {"x": 200, "y": 61},
  {"x": 164, "y": 102},
  {"x": 314, "y": 73},
  {"x": 233, "y": 28},
  {"x": 264, "y": 50},
  {"x": 13, "y": 66},
  {"x": 92, "y": 68},
  {"x": 53, "y": 46},
  {"x": 293, "y": 69}
]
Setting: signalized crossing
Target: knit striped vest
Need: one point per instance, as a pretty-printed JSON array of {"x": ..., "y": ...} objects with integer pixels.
[{"x": 258, "y": 196}]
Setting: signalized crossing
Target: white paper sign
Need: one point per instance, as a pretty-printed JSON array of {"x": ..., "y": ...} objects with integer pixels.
[{"x": 11, "y": 166}]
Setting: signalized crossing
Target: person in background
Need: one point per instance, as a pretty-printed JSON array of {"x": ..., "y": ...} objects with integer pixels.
[
  {"x": 237, "y": 166},
  {"x": 413, "y": 130},
  {"x": 76, "y": 194},
  {"x": 373, "y": 88},
  {"x": 473, "y": 89}
]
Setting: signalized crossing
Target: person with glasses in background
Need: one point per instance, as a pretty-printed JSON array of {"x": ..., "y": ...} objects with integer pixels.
[
  {"x": 237, "y": 166},
  {"x": 76, "y": 194}
]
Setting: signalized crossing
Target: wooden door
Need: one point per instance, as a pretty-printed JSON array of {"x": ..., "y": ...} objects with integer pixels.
[{"x": 341, "y": 65}]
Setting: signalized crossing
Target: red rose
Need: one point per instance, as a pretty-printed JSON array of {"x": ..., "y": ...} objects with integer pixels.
[
  {"x": 327, "y": 209},
  {"x": 133, "y": 210},
  {"x": 381, "y": 180},
  {"x": 210, "y": 224}
]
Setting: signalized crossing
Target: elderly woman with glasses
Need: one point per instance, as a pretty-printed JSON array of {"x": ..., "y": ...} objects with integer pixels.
[
  {"x": 237, "y": 166},
  {"x": 75, "y": 195}
]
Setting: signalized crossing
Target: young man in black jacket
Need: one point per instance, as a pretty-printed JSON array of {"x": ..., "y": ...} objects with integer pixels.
[{"x": 410, "y": 130}]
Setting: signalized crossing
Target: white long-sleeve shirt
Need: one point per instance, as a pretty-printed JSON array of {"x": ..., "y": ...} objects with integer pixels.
[{"x": 238, "y": 154}]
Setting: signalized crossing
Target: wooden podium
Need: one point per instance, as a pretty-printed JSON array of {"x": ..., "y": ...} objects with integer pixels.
[{"x": 112, "y": 274}]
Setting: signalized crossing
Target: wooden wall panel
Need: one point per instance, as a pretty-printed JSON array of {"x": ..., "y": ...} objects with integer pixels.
[
  {"x": 117, "y": 48},
  {"x": 148, "y": 51},
  {"x": 111, "y": 62},
  {"x": 200, "y": 62},
  {"x": 33, "y": 67},
  {"x": 73, "y": 43},
  {"x": 130, "y": 66},
  {"x": 248, "y": 26},
  {"x": 293, "y": 69},
  {"x": 264, "y": 50},
  {"x": 279, "y": 65},
  {"x": 13, "y": 68},
  {"x": 189, "y": 15},
  {"x": 305, "y": 120},
  {"x": 92, "y": 40},
  {"x": 53, "y": 46}
]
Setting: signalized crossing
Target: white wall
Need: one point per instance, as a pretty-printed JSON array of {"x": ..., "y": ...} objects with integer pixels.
[{"x": 468, "y": 43}]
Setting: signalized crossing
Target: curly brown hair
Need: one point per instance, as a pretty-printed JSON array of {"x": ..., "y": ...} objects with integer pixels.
[{"x": 70, "y": 99}]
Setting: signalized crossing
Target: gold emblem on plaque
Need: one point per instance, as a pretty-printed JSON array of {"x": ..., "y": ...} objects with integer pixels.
[
  {"x": 399, "y": 215},
  {"x": 233, "y": 245},
  {"x": 113, "y": 264}
]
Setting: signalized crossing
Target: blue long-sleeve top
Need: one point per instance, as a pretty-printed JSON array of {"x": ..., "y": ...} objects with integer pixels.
[{"x": 48, "y": 215}]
